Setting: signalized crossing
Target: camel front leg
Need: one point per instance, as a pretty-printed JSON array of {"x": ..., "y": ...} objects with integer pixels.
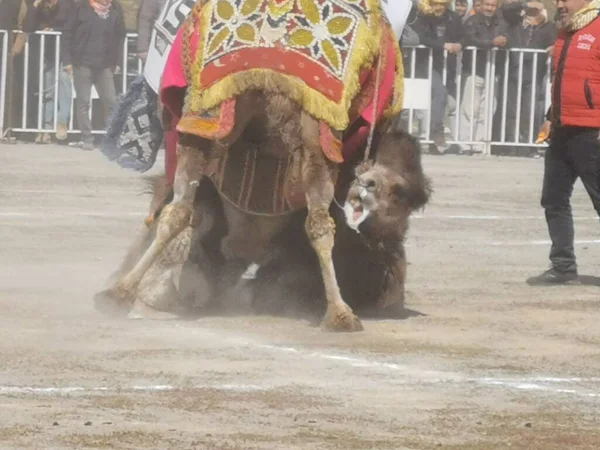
[
  {"x": 391, "y": 302},
  {"x": 174, "y": 218},
  {"x": 319, "y": 188}
]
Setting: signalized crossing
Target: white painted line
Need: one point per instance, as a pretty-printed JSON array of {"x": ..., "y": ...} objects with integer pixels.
[
  {"x": 404, "y": 374},
  {"x": 489, "y": 217},
  {"x": 71, "y": 213},
  {"x": 414, "y": 375},
  {"x": 56, "y": 214},
  {"x": 57, "y": 390},
  {"x": 540, "y": 242}
]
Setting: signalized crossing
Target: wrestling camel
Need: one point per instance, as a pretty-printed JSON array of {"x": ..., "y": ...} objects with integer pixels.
[
  {"x": 268, "y": 116},
  {"x": 374, "y": 202}
]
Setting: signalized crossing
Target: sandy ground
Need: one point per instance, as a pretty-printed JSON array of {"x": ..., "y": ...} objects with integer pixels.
[{"x": 485, "y": 361}]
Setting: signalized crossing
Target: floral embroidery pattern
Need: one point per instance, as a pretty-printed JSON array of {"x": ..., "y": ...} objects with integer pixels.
[{"x": 324, "y": 31}]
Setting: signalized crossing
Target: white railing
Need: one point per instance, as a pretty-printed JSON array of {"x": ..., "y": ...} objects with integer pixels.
[
  {"x": 497, "y": 131},
  {"x": 3, "y": 73},
  {"x": 42, "y": 85}
]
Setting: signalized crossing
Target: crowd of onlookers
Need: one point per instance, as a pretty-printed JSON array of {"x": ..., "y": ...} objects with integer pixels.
[
  {"x": 93, "y": 32},
  {"x": 447, "y": 28},
  {"x": 91, "y": 49}
]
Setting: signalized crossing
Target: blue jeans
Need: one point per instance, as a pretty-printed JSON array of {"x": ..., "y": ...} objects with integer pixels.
[{"x": 65, "y": 96}]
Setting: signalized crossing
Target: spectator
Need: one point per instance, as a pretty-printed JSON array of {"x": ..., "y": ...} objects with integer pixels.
[
  {"x": 147, "y": 16},
  {"x": 52, "y": 15},
  {"x": 440, "y": 29},
  {"x": 461, "y": 7},
  {"x": 92, "y": 49},
  {"x": 534, "y": 32},
  {"x": 407, "y": 41},
  {"x": 574, "y": 121},
  {"x": 476, "y": 8},
  {"x": 511, "y": 18},
  {"x": 483, "y": 31},
  {"x": 12, "y": 15}
]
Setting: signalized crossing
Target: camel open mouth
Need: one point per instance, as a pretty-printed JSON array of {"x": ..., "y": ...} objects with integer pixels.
[{"x": 355, "y": 214}]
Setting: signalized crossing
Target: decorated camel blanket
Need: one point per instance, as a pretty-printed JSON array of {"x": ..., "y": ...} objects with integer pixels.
[
  {"x": 317, "y": 52},
  {"x": 134, "y": 133}
]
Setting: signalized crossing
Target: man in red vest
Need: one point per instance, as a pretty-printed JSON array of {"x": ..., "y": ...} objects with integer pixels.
[{"x": 573, "y": 126}]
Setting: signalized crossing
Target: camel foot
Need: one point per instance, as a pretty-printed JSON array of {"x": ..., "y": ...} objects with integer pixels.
[
  {"x": 125, "y": 291},
  {"x": 341, "y": 319},
  {"x": 109, "y": 303},
  {"x": 141, "y": 311}
]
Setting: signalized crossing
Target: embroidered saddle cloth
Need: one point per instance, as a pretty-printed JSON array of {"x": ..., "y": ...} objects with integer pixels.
[{"x": 317, "y": 52}]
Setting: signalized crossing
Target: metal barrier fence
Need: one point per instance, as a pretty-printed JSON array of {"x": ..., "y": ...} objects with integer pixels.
[
  {"x": 3, "y": 73},
  {"x": 41, "y": 86},
  {"x": 500, "y": 102}
]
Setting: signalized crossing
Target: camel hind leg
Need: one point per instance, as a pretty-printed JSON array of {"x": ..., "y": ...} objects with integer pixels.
[
  {"x": 318, "y": 184},
  {"x": 176, "y": 216},
  {"x": 193, "y": 154}
]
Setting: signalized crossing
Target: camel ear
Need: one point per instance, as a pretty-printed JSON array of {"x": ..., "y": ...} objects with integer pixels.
[{"x": 363, "y": 168}]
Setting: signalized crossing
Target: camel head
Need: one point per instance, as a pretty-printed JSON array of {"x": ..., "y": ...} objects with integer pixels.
[{"x": 386, "y": 191}]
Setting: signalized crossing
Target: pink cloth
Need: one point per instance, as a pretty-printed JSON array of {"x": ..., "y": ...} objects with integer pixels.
[
  {"x": 386, "y": 89},
  {"x": 173, "y": 86},
  {"x": 173, "y": 82},
  {"x": 170, "y": 155}
]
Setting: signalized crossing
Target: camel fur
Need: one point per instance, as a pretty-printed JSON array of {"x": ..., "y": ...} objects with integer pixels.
[
  {"x": 287, "y": 131},
  {"x": 372, "y": 263}
]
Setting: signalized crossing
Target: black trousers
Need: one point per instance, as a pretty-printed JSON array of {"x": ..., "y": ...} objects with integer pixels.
[{"x": 574, "y": 152}]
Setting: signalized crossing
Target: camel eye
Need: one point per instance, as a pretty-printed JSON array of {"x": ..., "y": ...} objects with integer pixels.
[{"x": 369, "y": 184}]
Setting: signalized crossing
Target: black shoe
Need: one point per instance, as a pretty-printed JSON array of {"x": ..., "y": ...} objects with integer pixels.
[{"x": 553, "y": 277}]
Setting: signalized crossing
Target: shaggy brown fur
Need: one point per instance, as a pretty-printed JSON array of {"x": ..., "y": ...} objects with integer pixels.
[
  {"x": 249, "y": 235},
  {"x": 175, "y": 283},
  {"x": 371, "y": 266}
]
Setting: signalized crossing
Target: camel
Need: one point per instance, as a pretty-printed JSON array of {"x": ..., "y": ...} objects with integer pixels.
[
  {"x": 371, "y": 262},
  {"x": 274, "y": 119},
  {"x": 369, "y": 254}
]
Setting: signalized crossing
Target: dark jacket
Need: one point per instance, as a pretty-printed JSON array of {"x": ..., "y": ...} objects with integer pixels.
[
  {"x": 480, "y": 31},
  {"x": 531, "y": 37},
  {"x": 146, "y": 17},
  {"x": 434, "y": 32},
  {"x": 9, "y": 14},
  {"x": 41, "y": 17},
  {"x": 77, "y": 42}
]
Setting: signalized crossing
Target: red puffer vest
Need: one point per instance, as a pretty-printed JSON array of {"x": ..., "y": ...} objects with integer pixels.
[{"x": 576, "y": 86}]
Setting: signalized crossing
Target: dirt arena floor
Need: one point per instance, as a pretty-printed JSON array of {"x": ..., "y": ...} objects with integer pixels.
[{"x": 484, "y": 362}]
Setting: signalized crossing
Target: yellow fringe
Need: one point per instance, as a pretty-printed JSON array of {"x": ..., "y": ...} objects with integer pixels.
[{"x": 335, "y": 114}]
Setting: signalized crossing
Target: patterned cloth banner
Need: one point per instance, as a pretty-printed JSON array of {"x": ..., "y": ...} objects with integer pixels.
[{"x": 134, "y": 133}]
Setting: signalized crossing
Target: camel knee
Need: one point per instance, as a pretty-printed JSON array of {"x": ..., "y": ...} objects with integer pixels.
[
  {"x": 173, "y": 220},
  {"x": 320, "y": 229}
]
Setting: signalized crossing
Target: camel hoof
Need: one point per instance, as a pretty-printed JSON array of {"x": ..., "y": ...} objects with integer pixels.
[
  {"x": 341, "y": 320},
  {"x": 109, "y": 303},
  {"x": 141, "y": 311}
]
